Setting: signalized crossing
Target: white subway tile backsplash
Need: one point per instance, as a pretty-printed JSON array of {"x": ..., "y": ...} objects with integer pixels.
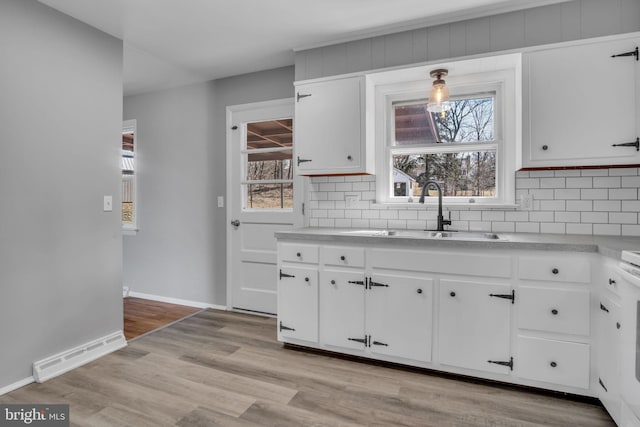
[
  {"x": 552, "y": 182},
  {"x": 579, "y": 229},
  {"x": 579, "y": 205},
  {"x": 579, "y": 182},
  {"x": 594, "y": 217},
  {"x": 566, "y": 194},
  {"x": 595, "y": 172},
  {"x": 412, "y": 214},
  {"x": 527, "y": 227},
  {"x": 607, "y": 229},
  {"x": 607, "y": 205},
  {"x": 552, "y": 227},
  {"x": 567, "y": 217},
  {"x": 623, "y": 194},
  {"x": 631, "y": 181},
  {"x": 591, "y": 201},
  {"x": 623, "y": 218},
  {"x": 607, "y": 182},
  {"x": 594, "y": 194},
  {"x": 623, "y": 171}
]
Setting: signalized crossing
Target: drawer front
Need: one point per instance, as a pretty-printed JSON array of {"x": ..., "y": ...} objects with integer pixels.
[
  {"x": 442, "y": 262},
  {"x": 298, "y": 252},
  {"x": 557, "y": 362},
  {"x": 553, "y": 310},
  {"x": 555, "y": 269},
  {"x": 343, "y": 256}
]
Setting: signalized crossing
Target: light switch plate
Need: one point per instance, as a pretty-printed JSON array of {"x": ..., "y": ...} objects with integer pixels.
[
  {"x": 221, "y": 201},
  {"x": 108, "y": 203}
]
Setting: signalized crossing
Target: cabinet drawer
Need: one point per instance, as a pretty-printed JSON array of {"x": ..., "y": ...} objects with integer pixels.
[
  {"x": 557, "y": 362},
  {"x": 343, "y": 256},
  {"x": 555, "y": 269},
  {"x": 298, "y": 252},
  {"x": 554, "y": 310},
  {"x": 442, "y": 262}
]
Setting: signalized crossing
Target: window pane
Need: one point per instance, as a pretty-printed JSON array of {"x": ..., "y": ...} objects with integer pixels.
[
  {"x": 465, "y": 174},
  {"x": 269, "y": 196},
  {"x": 469, "y": 120},
  {"x": 128, "y": 170},
  {"x": 261, "y": 166},
  {"x": 270, "y": 134}
]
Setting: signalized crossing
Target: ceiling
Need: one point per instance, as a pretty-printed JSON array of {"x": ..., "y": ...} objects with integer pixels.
[{"x": 174, "y": 42}]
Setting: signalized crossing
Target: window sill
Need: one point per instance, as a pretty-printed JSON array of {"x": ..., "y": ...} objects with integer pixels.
[{"x": 448, "y": 205}]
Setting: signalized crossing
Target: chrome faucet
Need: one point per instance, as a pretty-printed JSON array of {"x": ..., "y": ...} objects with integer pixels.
[{"x": 441, "y": 221}]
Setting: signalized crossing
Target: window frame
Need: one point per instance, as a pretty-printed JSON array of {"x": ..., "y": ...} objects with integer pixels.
[
  {"x": 131, "y": 228},
  {"x": 466, "y": 78}
]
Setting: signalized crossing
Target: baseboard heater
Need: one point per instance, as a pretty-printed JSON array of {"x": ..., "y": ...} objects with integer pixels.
[{"x": 60, "y": 363}]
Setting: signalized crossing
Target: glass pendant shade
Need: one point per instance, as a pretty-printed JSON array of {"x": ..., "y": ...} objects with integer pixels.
[{"x": 439, "y": 100}]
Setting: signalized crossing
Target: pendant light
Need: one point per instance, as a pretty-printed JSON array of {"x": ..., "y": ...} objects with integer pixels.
[{"x": 439, "y": 101}]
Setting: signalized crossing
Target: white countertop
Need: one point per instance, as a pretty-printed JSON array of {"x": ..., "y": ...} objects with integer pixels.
[{"x": 610, "y": 246}]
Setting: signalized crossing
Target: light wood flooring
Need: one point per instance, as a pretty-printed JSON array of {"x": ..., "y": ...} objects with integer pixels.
[
  {"x": 142, "y": 316},
  {"x": 227, "y": 369}
]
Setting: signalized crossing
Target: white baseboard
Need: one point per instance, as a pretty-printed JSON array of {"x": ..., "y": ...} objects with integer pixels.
[
  {"x": 177, "y": 301},
  {"x": 73, "y": 358},
  {"x": 9, "y": 388}
]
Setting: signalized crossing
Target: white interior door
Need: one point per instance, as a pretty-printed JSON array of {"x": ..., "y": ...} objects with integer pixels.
[{"x": 263, "y": 197}]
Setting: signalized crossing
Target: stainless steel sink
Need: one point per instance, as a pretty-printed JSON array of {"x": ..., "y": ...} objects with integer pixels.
[{"x": 426, "y": 234}]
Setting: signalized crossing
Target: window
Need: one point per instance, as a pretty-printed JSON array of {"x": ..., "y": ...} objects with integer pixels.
[
  {"x": 128, "y": 176},
  {"x": 268, "y": 163},
  {"x": 471, "y": 150}
]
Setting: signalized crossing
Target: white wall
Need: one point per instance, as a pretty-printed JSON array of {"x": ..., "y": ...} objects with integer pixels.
[
  {"x": 180, "y": 250},
  {"x": 60, "y": 123}
]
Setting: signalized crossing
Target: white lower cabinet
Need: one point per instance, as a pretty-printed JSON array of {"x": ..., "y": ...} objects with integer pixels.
[
  {"x": 609, "y": 329},
  {"x": 519, "y": 316},
  {"x": 397, "y": 309},
  {"x": 399, "y": 315},
  {"x": 556, "y": 362},
  {"x": 474, "y": 325},
  {"x": 342, "y": 308},
  {"x": 298, "y": 302}
]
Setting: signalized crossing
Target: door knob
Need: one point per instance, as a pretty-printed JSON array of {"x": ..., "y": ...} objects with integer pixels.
[{"x": 235, "y": 223}]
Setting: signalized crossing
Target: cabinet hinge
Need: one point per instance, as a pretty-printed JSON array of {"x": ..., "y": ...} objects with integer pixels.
[
  {"x": 630, "y": 53},
  {"x": 303, "y": 209},
  {"x": 285, "y": 275},
  {"x": 602, "y": 384},
  {"x": 360, "y": 340},
  {"x": 503, "y": 363},
  {"x": 603, "y": 308},
  {"x": 372, "y": 284},
  {"x": 285, "y": 328},
  {"x": 635, "y": 144},
  {"x": 378, "y": 343},
  {"x": 358, "y": 282},
  {"x": 511, "y": 296}
]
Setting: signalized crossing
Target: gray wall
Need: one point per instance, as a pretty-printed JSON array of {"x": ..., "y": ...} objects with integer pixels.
[
  {"x": 60, "y": 126},
  {"x": 546, "y": 24},
  {"x": 180, "y": 250}
]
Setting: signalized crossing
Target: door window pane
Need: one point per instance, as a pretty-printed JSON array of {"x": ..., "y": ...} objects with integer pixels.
[{"x": 269, "y": 196}]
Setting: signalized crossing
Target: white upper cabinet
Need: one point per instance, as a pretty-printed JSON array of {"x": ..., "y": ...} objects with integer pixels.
[
  {"x": 579, "y": 101},
  {"x": 330, "y": 128}
]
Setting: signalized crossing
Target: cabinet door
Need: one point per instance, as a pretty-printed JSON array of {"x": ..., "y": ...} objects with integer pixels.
[
  {"x": 298, "y": 303},
  {"x": 399, "y": 316},
  {"x": 580, "y": 102},
  {"x": 474, "y": 326},
  {"x": 342, "y": 308},
  {"x": 608, "y": 340},
  {"x": 329, "y": 129}
]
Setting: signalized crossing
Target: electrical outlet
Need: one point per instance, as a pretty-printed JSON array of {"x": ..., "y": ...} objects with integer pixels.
[
  {"x": 526, "y": 202},
  {"x": 350, "y": 201}
]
